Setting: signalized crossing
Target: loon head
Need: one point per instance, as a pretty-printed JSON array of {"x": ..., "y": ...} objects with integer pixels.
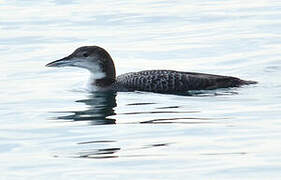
[{"x": 93, "y": 58}]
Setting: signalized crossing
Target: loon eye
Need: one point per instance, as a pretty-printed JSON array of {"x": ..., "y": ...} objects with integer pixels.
[{"x": 85, "y": 55}]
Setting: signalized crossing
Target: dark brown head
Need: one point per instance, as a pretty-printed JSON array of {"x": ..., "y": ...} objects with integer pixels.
[{"x": 93, "y": 58}]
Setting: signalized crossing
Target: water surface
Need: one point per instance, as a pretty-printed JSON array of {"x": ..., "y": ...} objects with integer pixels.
[{"x": 53, "y": 128}]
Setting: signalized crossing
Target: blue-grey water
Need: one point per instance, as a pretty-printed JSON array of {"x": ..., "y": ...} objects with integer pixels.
[{"x": 53, "y": 128}]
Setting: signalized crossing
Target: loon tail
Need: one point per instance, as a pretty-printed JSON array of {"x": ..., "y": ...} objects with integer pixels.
[{"x": 248, "y": 82}]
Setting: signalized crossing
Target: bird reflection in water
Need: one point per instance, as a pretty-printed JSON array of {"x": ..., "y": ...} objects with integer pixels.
[{"x": 100, "y": 107}]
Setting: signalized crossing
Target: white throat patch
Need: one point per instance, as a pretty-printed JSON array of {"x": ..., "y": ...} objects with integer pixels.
[{"x": 93, "y": 67}]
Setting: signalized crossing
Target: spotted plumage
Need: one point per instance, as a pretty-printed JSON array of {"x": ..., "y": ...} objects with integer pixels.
[{"x": 168, "y": 81}]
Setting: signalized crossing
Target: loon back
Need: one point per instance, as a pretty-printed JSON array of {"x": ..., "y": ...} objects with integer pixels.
[{"x": 168, "y": 81}]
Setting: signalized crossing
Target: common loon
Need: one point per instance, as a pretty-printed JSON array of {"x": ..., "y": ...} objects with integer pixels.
[{"x": 98, "y": 61}]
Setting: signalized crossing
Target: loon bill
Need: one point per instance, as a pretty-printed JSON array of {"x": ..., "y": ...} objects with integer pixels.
[{"x": 100, "y": 64}]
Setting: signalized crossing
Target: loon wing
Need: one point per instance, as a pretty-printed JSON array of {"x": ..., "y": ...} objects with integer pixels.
[{"x": 167, "y": 81}]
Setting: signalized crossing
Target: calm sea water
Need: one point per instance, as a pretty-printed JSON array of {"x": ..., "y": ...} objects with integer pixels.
[{"x": 53, "y": 128}]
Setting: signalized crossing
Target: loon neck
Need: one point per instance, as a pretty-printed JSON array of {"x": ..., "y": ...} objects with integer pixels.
[
  {"x": 104, "y": 82},
  {"x": 107, "y": 69}
]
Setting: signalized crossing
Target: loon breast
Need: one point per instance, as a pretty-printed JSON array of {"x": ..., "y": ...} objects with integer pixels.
[{"x": 169, "y": 81}]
